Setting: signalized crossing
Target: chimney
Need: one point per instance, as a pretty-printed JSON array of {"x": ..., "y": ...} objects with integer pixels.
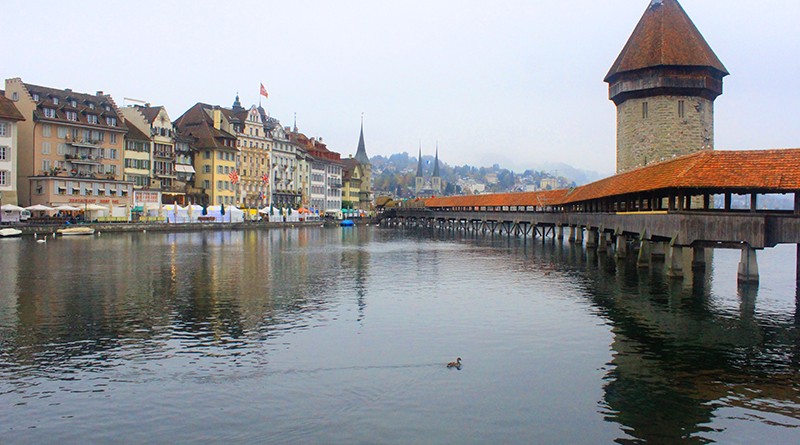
[
  {"x": 68, "y": 90},
  {"x": 217, "y": 118},
  {"x": 99, "y": 93}
]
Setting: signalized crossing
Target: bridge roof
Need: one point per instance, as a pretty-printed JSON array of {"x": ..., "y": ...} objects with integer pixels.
[
  {"x": 758, "y": 170},
  {"x": 540, "y": 198}
]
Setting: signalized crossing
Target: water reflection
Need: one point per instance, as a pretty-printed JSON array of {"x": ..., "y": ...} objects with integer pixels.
[
  {"x": 73, "y": 302},
  {"x": 694, "y": 360}
]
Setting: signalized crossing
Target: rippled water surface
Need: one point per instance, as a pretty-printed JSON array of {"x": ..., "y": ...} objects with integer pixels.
[{"x": 340, "y": 336}]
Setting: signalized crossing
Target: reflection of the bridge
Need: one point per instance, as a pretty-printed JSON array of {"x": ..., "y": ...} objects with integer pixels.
[
  {"x": 678, "y": 356},
  {"x": 79, "y": 303}
]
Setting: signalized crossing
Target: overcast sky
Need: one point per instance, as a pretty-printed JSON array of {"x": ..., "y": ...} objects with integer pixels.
[{"x": 519, "y": 83}]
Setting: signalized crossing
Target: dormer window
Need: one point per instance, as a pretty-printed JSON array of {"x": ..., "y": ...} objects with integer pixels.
[
  {"x": 50, "y": 112},
  {"x": 111, "y": 121},
  {"x": 35, "y": 97},
  {"x": 91, "y": 106},
  {"x": 73, "y": 102},
  {"x": 55, "y": 101},
  {"x": 107, "y": 107},
  {"x": 73, "y": 116},
  {"x": 91, "y": 118}
]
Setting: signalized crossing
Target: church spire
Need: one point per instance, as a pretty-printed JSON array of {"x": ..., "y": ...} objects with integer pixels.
[
  {"x": 436, "y": 162},
  {"x": 361, "y": 153},
  {"x": 419, "y": 163}
]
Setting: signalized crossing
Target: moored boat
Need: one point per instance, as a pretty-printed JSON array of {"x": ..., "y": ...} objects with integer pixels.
[
  {"x": 347, "y": 223},
  {"x": 10, "y": 231},
  {"x": 70, "y": 231}
]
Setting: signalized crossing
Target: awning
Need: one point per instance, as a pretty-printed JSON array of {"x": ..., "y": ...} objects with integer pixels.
[{"x": 184, "y": 168}]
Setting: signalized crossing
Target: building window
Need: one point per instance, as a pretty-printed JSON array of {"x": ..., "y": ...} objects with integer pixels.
[
  {"x": 644, "y": 110},
  {"x": 45, "y": 148},
  {"x": 4, "y": 177},
  {"x": 15, "y": 96},
  {"x": 206, "y": 184},
  {"x": 91, "y": 118},
  {"x": 62, "y": 149},
  {"x": 219, "y": 185},
  {"x": 207, "y": 154},
  {"x": 72, "y": 116},
  {"x": 681, "y": 109},
  {"x": 46, "y": 165},
  {"x": 47, "y": 130},
  {"x": 55, "y": 101},
  {"x": 113, "y": 139},
  {"x": 111, "y": 121},
  {"x": 113, "y": 153},
  {"x": 73, "y": 102},
  {"x": 5, "y": 153},
  {"x": 3, "y": 129},
  {"x": 62, "y": 132},
  {"x": 50, "y": 112},
  {"x": 91, "y": 106}
]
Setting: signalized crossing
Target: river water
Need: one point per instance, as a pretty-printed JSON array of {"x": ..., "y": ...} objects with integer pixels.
[{"x": 341, "y": 336}]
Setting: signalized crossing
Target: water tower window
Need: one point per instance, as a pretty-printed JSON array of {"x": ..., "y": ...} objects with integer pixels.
[
  {"x": 644, "y": 110},
  {"x": 681, "y": 109}
]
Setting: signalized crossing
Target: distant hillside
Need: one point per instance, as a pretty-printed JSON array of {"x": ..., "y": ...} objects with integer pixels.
[{"x": 395, "y": 175}]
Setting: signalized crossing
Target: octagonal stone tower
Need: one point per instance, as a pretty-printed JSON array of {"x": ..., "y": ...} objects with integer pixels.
[{"x": 664, "y": 83}]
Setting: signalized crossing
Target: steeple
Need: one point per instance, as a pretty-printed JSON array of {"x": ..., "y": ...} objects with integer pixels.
[
  {"x": 361, "y": 153},
  {"x": 237, "y": 106},
  {"x": 419, "y": 163},
  {"x": 436, "y": 163}
]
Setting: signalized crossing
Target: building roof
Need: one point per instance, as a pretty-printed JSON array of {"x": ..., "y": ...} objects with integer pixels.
[
  {"x": 199, "y": 125},
  {"x": 85, "y": 104},
  {"x": 135, "y": 133},
  {"x": 541, "y": 199},
  {"x": 361, "y": 153},
  {"x": 149, "y": 113},
  {"x": 665, "y": 36},
  {"x": 762, "y": 170},
  {"x": 8, "y": 110}
]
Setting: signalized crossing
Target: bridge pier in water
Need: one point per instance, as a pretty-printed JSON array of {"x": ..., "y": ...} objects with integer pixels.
[{"x": 748, "y": 266}]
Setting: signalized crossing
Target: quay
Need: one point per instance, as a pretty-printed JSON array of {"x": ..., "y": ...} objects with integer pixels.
[
  {"x": 663, "y": 210},
  {"x": 44, "y": 229}
]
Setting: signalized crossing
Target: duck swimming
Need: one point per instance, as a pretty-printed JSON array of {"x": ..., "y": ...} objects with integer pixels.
[{"x": 456, "y": 364}]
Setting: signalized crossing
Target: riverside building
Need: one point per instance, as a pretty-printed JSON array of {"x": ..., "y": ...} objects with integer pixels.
[{"x": 70, "y": 147}]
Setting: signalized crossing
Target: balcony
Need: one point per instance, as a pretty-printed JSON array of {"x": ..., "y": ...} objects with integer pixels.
[
  {"x": 84, "y": 159},
  {"x": 164, "y": 154},
  {"x": 88, "y": 143}
]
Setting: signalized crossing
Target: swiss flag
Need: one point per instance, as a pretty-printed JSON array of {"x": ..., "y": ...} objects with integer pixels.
[{"x": 264, "y": 91}]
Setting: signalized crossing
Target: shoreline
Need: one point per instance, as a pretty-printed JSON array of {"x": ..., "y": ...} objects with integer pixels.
[{"x": 177, "y": 227}]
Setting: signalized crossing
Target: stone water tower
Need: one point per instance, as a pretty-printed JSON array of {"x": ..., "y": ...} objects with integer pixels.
[{"x": 664, "y": 83}]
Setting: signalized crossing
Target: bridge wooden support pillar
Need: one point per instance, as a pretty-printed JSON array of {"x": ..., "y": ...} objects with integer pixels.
[
  {"x": 748, "y": 266},
  {"x": 591, "y": 238},
  {"x": 571, "y": 237},
  {"x": 578, "y": 235},
  {"x": 698, "y": 257},
  {"x": 643, "y": 259},
  {"x": 621, "y": 246},
  {"x": 602, "y": 244},
  {"x": 674, "y": 260},
  {"x": 797, "y": 272},
  {"x": 560, "y": 232},
  {"x": 659, "y": 250}
]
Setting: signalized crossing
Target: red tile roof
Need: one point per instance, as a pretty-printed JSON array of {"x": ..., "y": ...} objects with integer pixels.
[
  {"x": 665, "y": 36},
  {"x": 541, "y": 198},
  {"x": 8, "y": 110},
  {"x": 761, "y": 171}
]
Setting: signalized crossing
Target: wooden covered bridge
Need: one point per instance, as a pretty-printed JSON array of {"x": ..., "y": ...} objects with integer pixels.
[{"x": 710, "y": 199}]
